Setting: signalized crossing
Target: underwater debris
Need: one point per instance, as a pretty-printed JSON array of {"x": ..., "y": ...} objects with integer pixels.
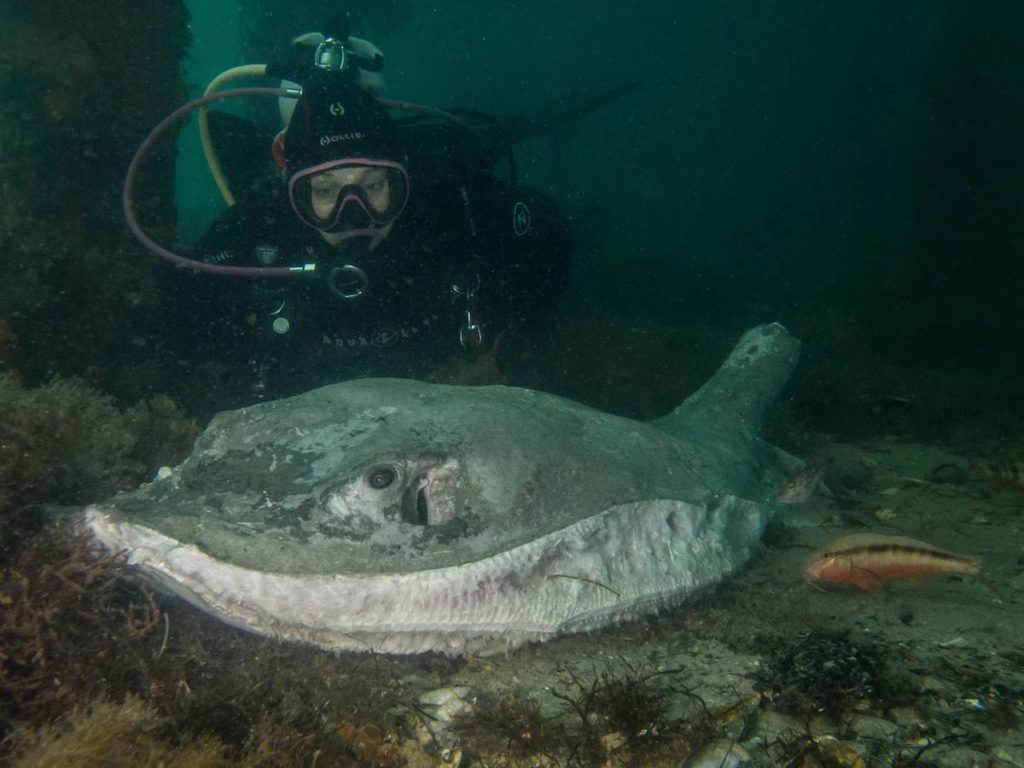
[
  {"x": 618, "y": 716},
  {"x": 74, "y": 626},
  {"x": 625, "y": 701},
  {"x": 804, "y": 749},
  {"x": 111, "y": 734},
  {"x": 438, "y": 708},
  {"x": 723, "y": 753},
  {"x": 516, "y": 728},
  {"x": 65, "y": 443},
  {"x": 135, "y": 735},
  {"x": 825, "y": 673},
  {"x": 368, "y": 744}
]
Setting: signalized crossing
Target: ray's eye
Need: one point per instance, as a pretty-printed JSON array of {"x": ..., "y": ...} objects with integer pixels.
[{"x": 381, "y": 477}]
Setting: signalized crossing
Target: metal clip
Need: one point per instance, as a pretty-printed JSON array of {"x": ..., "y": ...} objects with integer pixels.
[
  {"x": 471, "y": 335},
  {"x": 470, "y": 291}
]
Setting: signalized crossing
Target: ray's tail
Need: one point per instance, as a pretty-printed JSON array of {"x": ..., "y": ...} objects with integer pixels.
[{"x": 745, "y": 385}]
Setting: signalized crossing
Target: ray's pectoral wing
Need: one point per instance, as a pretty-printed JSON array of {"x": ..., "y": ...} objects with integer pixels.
[{"x": 405, "y": 517}]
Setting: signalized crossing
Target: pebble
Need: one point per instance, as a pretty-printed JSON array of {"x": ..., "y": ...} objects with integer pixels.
[
  {"x": 939, "y": 687},
  {"x": 845, "y": 754},
  {"x": 773, "y": 725},
  {"x": 952, "y": 474},
  {"x": 868, "y": 727},
  {"x": 959, "y": 757},
  {"x": 909, "y": 719},
  {"x": 723, "y": 753},
  {"x": 1013, "y": 757},
  {"x": 439, "y": 708}
]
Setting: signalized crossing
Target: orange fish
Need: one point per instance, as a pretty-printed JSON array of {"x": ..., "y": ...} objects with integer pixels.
[
  {"x": 865, "y": 560},
  {"x": 1004, "y": 476}
]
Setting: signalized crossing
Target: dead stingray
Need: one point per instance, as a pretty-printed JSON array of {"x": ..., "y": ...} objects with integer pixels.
[{"x": 397, "y": 516}]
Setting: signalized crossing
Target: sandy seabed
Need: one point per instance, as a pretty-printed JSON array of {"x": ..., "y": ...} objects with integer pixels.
[{"x": 763, "y": 670}]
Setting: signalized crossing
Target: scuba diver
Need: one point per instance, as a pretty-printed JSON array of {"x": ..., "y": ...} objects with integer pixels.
[{"x": 414, "y": 258}]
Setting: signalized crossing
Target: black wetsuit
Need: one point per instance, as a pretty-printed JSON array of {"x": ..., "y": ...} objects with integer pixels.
[{"x": 462, "y": 229}]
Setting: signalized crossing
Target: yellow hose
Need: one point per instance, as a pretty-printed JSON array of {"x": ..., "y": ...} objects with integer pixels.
[{"x": 247, "y": 70}]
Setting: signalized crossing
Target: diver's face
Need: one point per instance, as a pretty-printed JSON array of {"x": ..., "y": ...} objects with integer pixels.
[
  {"x": 324, "y": 188},
  {"x": 355, "y": 197}
]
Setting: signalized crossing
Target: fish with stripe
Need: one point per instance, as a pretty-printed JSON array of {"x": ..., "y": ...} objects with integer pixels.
[
  {"x": 1001, "y": 476},
  {"x": 866, "y": 560}
]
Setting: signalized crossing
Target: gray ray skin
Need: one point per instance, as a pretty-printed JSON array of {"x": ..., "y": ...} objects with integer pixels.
[{"x": 397, "y": 516}]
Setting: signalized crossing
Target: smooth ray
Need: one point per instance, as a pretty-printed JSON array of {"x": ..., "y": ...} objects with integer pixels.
[{"x": 397, "y": 516}]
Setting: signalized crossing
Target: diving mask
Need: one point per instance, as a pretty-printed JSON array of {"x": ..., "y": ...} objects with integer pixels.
[{"x": 352, "y": 196}]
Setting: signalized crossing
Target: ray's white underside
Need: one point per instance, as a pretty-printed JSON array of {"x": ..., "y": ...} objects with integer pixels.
[{"x": 627, "y": 560}]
